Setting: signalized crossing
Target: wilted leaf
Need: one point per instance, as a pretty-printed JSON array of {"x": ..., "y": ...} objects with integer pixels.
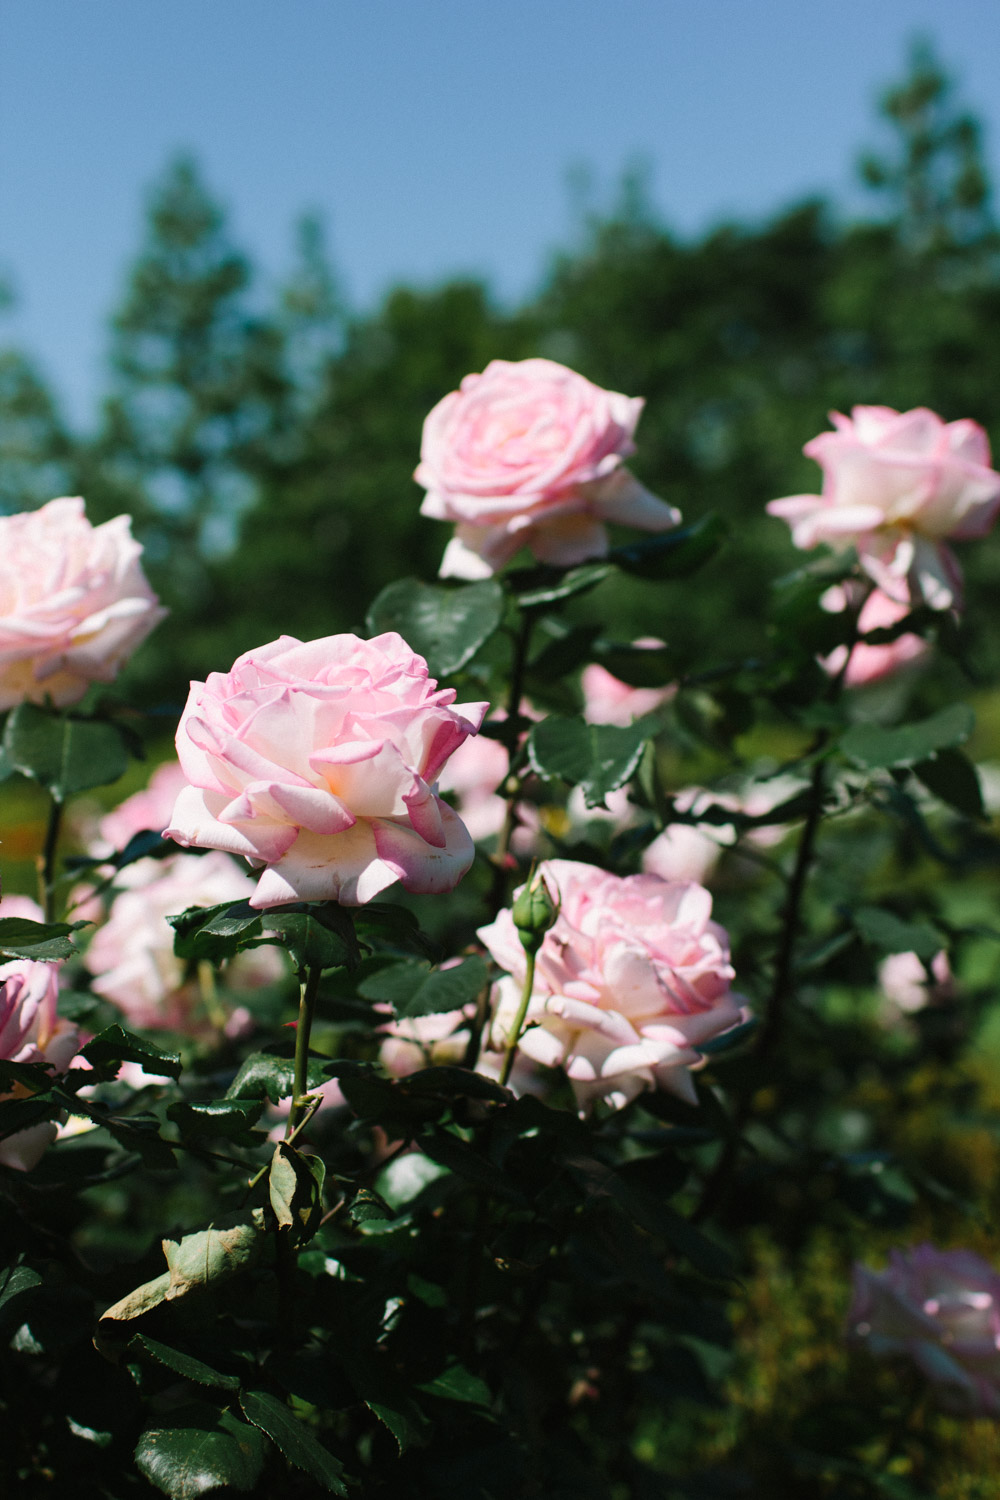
[{"x": 295, "y": 1184}]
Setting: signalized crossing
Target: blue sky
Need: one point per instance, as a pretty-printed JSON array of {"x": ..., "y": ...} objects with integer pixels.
[{"x": 433, "y": 135}]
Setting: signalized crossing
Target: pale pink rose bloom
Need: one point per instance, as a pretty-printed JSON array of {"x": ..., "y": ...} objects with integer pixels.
[
  {"x": 691, "y": 851},
  {"x": 148, "y": 809},
  {"x": 608, "y": 700},
  {"x": 897, "y": 486},
  {"x": 31, "y": 1030},
  {"x": 870, "y": 663},
  {"x": 529, "y": 454},
  {"x": 74, "y": 602},
  {"x": 940, "y": 1309},
  {"x": 633, "y": 977},
  {"x": 132, "y": 956},
  {"x": 319, "y": 762},
  {"x": 904, "y": 981},
  {"x": 425, "y": 1041}
]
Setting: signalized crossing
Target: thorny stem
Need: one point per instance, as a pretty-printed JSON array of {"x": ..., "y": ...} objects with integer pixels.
[
  {"x": 47, "y": 860},
  {"x": 308, "y": 985},
  {"x": 522, "y": 1011}
]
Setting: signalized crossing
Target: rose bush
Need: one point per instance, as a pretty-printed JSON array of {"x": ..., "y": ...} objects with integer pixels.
[
  {"x": 74, "y": 602},
  {"x": 897, "y": 485},
  {"x": 132, "y": 959},
  {"x": 632, "y": 977},
  {"x": 529, "y": 454},
  {"x": 318, "y": 761},
  {"x": 940, "y": 1309}
]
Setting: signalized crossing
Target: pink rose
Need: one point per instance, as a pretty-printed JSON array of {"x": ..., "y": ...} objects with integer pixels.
[
  {"x": 74, "y": 602},
  {"x": 896, "y": 485},
  {"x": 906, "y": 985},
  {"x": 147, "y": 809},
  {"x": 31, "y": 1031},
  {"x": 132, "y": 956},
  {"x": 529, "y": 454},
  {"x": 424, "y": 1041},
  {"x": 608, "y": 700},
  {"x": 872, "y": 663},
  {"x": 940, "y": 1309},
  {"x": 629, "y": 982},
  {"x": 319, "y": 761}
]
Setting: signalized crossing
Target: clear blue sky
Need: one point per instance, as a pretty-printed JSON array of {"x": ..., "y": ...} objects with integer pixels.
[{"x": 433, "y": 135}]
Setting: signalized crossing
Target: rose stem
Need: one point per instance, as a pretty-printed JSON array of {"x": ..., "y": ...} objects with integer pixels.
[
  {"x": 518, "y": 1026},
  {"x": 308, "y": 985},
  {"x": 47, "y": 860}
]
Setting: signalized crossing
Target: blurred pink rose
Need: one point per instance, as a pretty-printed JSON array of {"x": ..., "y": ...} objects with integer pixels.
[
  {"x": 608, "y": 700},
  {"x": 31, "y": 1031},
  {"x": 906, "y": 985},
  {"x": 940, "y": 1309},
  {"x": 148, "y": 809},
  {"x": 872, "y": 663},
  {"x": 897, "y": 485},
  {"x": 691, "y": 851},
  {"x": 74, "y": 602},
  {"x": 319, "y": 760},
  {"x": 423, "y": 1041},
  {"x": 475, "y": 773},
  {"x": 629, "y": 982},
  {"x": 529, "y": 454},
  {"x": 132, "y": 956}
]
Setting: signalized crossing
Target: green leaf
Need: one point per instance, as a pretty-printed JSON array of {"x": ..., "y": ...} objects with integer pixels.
[
  {"x": 294, "y": 1439},
  {"x": 456, "y": 1383},
  {"x": 38, "y": 941},
  {"x": 450, "y": 1151},
  {"x": 639, "y": 666},
  {"x": 18, "y": 1290},
  {"x": 414, "y": 990},
  {"x": 295, "y": 1185},
  {"x": 229, "y": 1118},
  {"x": 953, "y": 779},
  {"x": 567, "y": 647},
  {"x": 872, "y": 746},
  {"x": 444, "y": 625},
  {"x": 65, "y": 754},
  {"x": 116, "y": 1045},
  {"x": 264, "y": 1075},
  {"x": 215, "y": 933},
  {"x": 35, "y": 1077},
  {"x": 316, "y": 936},
  {"x": 546, "y": 585},
  {"x": 884, "y": 930},
  {"x": 229, "y": 1245},
  {"x": 199, "y": 1449},
  {"x": 672, "y": 554},
  {"x": 19, "y": 1114},
  {"x": 182, "y": 1364},
  {"x": 598, "y": 758}
]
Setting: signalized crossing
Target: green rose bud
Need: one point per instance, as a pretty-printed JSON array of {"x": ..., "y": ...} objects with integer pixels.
[{"x": 534, "y": 911}]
